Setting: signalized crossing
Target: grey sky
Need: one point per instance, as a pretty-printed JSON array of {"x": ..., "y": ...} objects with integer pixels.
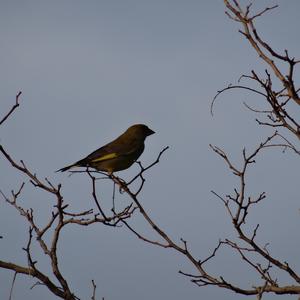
[{"x": 90, "y": 69}]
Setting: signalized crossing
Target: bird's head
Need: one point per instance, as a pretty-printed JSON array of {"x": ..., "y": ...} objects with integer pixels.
[{"x": 139, "y": 130}]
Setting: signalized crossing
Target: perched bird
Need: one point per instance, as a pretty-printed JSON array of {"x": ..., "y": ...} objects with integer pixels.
[{"x": 119, "y": 154}]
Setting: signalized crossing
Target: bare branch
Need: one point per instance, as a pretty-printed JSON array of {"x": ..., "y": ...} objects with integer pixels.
[
  {"x": 12, "y": 285},
  {"x": 12, "y": 109},
  {"x": 94, "y": 290},
  {"x": 230, "y": 87},
  {"x": 263, "y": 49},
  {"x": 143, "y": 170}
]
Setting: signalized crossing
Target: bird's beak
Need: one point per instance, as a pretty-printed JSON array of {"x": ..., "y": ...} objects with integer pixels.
[{"x": 150, "y": 131}]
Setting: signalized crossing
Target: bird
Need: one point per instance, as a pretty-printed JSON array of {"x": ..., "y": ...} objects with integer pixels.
[{"x": 117, "y": 155}]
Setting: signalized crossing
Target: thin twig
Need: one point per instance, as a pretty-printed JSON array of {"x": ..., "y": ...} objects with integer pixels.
[
  {"x": 12, "y": 285},
  {"x": 12, "y": 109}
]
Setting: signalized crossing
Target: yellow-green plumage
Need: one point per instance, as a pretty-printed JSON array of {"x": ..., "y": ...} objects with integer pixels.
[{"x": 119, "y": 154}]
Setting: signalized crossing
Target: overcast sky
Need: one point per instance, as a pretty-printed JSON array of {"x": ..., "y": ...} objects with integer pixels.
[{"x": 90, "y": 69}]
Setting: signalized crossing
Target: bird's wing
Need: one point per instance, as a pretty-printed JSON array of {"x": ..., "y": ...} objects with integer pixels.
[
  {"x": 111, "y": 150},
  {"x": 105, "y": 157}
]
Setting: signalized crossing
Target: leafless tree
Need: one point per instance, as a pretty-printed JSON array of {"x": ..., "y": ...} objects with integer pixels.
[
  {"x": 278, "y": 115},
  {"x": 59, "y": 218}
]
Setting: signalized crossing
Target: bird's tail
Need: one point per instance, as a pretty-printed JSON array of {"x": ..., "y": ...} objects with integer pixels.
[{"x": 65, "y": 168}]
